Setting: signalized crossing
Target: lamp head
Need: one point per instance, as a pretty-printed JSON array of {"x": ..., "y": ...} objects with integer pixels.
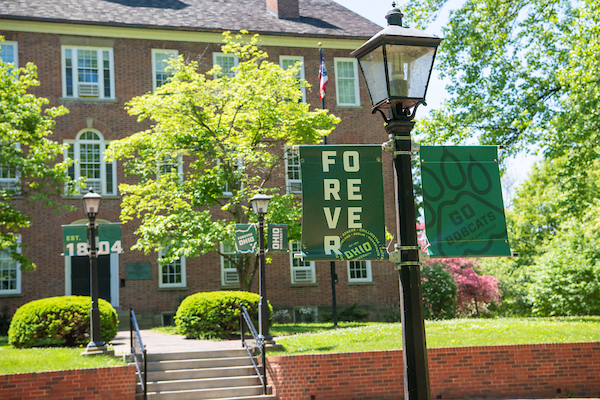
[
  {"x": 260, "y": 203},
  {"x": 91, "y": 203}
]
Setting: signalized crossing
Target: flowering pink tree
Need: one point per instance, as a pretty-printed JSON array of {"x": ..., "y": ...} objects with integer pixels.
[{"x": 474, "y": 290}]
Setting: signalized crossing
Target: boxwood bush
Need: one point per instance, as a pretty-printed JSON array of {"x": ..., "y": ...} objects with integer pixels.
[
  {"x": 215, "y": 314},
  {"x": 63, "y": 320}
]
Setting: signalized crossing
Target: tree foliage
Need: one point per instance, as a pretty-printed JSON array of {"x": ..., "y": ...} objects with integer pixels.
[
  {"x": 522, "y": 73},
  {"x": 439, "y": 291},
  {"x": 27, "y": 154},
  {"x": 228, "y": 129}
]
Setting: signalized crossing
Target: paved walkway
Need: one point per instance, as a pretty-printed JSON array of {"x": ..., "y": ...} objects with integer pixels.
[{"x": 158, "y": 342}]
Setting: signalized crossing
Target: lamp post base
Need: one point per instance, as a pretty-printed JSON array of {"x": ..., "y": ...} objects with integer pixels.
[{"x": 97, "y": 349}]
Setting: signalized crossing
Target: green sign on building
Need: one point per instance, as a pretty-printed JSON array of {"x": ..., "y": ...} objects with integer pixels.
[
  {"x": 75, "y": 239},
  {"x": 462, "y": 198},
  {"x": 342, "y": 203}
]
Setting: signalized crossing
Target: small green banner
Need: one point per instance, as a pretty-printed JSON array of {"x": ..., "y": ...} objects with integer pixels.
[
  {"x": 75, "y": 239},
  {"x": 246, "y": 238},
  {"x": 342, "y": 203},
  {"x": 277, "y": 237},
  {"x": 462, "y": 198}
]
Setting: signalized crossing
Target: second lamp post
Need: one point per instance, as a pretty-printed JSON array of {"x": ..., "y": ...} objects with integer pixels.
[{"x": 260, "y": 206}]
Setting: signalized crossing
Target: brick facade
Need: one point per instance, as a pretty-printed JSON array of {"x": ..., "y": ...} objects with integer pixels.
[
  {"x": 531, "y": 371},
  {"x": 117, "y": 383},
  {"x": 132, "y": 77}
]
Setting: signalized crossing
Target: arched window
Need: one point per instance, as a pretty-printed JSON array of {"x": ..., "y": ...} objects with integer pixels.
[{"x": 87, "y": 152}]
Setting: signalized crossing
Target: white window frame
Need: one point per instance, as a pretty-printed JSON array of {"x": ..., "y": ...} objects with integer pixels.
[
  {"x": 292, "y": 61},
  {"x": 227, "y": 277},
  {"x": 4, "y": 258},
  {"x": 156, "y": 68},
  {"x": 368, "y": 278},
  {"x": 90, "y": 87},
  {"x": 15, "y": 52},
  {"x": 292, "y": 185},
  {"x": 11, "y": 182},
  {"x": 182, "y": 272},
  {"x": 301, "y": 272},
  {"x": 339, "y": 78},
  {"x": 228, "y": 73},
  {"x": 177, "y": 163},
  {"x": 105, "y": 167}
]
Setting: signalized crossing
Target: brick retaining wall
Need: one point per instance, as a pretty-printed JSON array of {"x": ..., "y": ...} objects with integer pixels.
[
  {"x": 116, "y": 383},
  {"x": 540, "y": 370}
]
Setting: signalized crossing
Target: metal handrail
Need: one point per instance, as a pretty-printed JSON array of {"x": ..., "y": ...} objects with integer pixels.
[
  {"x": 138, "y": 351},
  {"x": 244, "y": 316}
]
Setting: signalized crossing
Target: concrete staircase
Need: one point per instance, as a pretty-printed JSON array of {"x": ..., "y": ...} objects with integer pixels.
[{"x": 214, "y": 374}]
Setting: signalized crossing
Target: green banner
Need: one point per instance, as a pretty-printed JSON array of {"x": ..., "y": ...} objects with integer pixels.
[
  {"x": 342, "y": 203},
  {"x": 277, "y": 237},
  {"x": 75, "y": 239},
  {"x": 246, "y": 238},
  {"x": 462, "y": 198}
]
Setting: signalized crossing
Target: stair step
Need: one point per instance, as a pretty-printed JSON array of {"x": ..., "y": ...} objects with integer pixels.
[
  {"x": 208, "y": 383},
  {"x": 216, "y": 372},
  {"x": 200, "y": 354},
  {"x": 204, "y": 394},
  {"x": 197, "y": 363}
]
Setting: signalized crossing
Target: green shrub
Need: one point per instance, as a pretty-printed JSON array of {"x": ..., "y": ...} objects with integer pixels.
[
  {"x": 439, "y": 291},
  {"x": 60, "y": 320},
  {"x": 215, "y": 314},
  {"x": 352, "y": 314}
]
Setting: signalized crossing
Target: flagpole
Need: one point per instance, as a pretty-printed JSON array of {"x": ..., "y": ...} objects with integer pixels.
[{"x": 332, "y": 263}]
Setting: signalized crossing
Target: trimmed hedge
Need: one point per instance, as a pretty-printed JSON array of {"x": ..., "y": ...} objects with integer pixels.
[
  {"x": 216, "y": 314},
  {"x": 60, "y": 319}
]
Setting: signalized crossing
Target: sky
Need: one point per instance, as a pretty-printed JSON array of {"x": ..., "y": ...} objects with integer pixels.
[{"x": 375, "y": 10}]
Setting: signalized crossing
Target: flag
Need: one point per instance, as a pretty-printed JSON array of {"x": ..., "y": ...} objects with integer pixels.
[{"x": 323, "y": 79}]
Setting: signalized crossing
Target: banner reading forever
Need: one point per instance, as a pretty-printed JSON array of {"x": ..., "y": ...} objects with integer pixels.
[
  {"x": 342, "y": 203},
  {"x": 462, "y": 198}
]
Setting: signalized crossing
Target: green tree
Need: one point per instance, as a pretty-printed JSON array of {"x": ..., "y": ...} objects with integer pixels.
[
  {"x": 229, "y": 130},
  {"x": 27, "y": 154},
  {"x": 524, "y": 72},
  {"x": 439, "y": 291},
  {"x": 566, "y": 277}
]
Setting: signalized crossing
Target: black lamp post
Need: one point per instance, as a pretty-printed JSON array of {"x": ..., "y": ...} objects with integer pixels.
[
  {"x": 260, "y": 206},
  {"x": 91, "y": 202},
  {"x": 396, "y": 64}
]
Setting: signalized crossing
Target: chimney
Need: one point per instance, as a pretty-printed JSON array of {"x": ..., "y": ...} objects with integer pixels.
[{"x": 284, "y": 9}]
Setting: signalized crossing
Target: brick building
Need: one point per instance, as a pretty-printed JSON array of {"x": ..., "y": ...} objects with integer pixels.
[{"x": 124, "y": 43}]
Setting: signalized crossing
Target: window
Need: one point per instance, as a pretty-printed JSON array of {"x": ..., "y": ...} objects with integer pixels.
[
  {"x": 171, "y": 274},
  {"x": 293, "y": 182},
  {"x": 9, "y": 53},
  {"x": 10, "y": 177},
  {"x": 229, "y": 276},
  {"x": 87, "y": 151},
  {"x": 227, "y": 190},
  {"x": 160, "y": 61},
  {"x": 227, "y": 62},
  {"x": 359, "y": 271},
  {"x": 170, "y": 164},
  {"x": 302, "y": 271},
  {"x": 88, "y": 72},
  {"x": 346, "y": 82},
  {"x": 289, "y": 61},
  {"x": 10, "y": 273}
]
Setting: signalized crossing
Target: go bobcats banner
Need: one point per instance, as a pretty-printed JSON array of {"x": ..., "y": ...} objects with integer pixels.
[
  {"x": 462, "y": 198},
  {"x": 342, "y": 203}
]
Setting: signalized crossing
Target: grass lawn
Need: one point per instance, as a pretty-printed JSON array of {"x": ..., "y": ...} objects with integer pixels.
[
  {"x": 448, "y": 333},
  {"x": 48, "y": 359}
]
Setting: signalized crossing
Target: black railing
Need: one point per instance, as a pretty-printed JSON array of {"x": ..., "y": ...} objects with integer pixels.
[
  {"x": 260, "y": 344},
  {"x": 138, "y": 351}
]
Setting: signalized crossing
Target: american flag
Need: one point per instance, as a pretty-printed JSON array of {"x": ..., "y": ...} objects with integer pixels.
[{"x": 323, "y": 79}]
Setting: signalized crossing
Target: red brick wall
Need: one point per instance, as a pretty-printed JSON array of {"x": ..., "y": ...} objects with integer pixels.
[
  {"x": 117, "y": 383},
  {"x": 540, "y": 370}
]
